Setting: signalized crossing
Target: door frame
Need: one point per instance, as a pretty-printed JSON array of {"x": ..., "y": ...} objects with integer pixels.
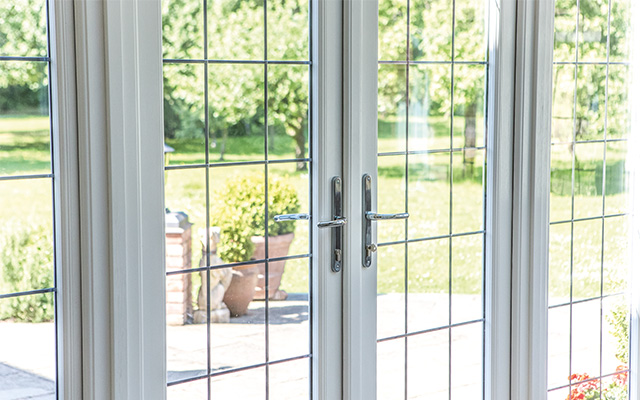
[{"x": 360, "y": 157}]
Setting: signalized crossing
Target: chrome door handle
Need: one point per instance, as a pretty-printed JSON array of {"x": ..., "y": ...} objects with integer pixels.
[
  {"x": 337, "y": 222},
  {"x": 372, "y": 216},
  {"x": 369, "y": 247},
  {"x": 291, "y": 217}
]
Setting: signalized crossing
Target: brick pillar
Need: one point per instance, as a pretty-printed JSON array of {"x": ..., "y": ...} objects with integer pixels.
[{"x": 178, "y": 257}]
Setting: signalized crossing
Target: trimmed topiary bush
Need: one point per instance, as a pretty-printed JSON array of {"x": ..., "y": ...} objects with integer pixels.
[
  {"x": 26, "y": 263},
  {"x": 240, "y": 214}
]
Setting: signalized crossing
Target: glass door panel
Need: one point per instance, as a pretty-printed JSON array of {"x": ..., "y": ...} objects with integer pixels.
[
  {"x": 432, "y": 79},
  {"x": 28, "y": 270},
  {"x": 238, "y": 134},
  {"x": 589, "y": 235}
]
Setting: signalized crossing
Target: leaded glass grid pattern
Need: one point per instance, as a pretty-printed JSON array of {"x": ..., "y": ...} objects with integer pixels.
[
  {"x": 589, "y": 204},
  {"x": 432, "y": 79},
  {"x": 28, "y": 288},
  {"x": 237, "y": 119}
]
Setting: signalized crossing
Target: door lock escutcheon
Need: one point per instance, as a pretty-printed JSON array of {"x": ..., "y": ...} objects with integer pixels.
[
  {"x": 369, "y": 216},
  {"x": 337, "y": 223}
]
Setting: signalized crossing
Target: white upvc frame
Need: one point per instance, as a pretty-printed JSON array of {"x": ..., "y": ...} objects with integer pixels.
[
  {"x": 500, "y": 117},
  {"x": 119, "y": 84},
  {"x": 326, "y": 122},
  {"x": 66, "y": 195},
  {"x": 360, "y": 88},
  {"x": 360, "y": 156},
  {"x": 531, "y": 176}
]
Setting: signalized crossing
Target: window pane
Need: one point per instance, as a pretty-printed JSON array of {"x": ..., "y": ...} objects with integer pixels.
[
  {"x": 23, "y": 31},
  {"x": 24, "y": 118},
  {"x": 236, "y": 30}
]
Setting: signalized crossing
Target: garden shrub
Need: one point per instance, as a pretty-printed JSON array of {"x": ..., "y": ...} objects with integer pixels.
[
  {"x": 26, "y": 263},
  {"x": 240, "y": 214}
]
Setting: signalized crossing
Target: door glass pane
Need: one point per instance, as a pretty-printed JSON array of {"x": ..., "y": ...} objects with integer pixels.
[
  {"x": 590, "y": 231},
  {"x": 28, "y": 363},
  {"x": 237, "y": 130},
  {"x": 432, "y": 79}
]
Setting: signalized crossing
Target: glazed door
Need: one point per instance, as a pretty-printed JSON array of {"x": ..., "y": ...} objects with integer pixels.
[{"x": 252, "y": 146}]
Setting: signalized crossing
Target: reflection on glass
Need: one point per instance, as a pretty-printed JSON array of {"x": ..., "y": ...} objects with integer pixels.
[
  {"x": 236, "y": 29},
  {"x": 467, "y": 278},
  {"x": 184, "y": 113},
  {"x": 182, "y": 30},
  {"x": 562, "y": 97},
  {"x": 289, "y": 334},
  {"x": 249, "y": 384},
  {"x": 429, "y": 199},
  {"x": 561, "y": 182},
  {"x": 27, "y": 348},
  {"x": 585, "y": 341},
  {"x": 390, "y": 369},
  {"x": 428, "y": 285},
  {"x": 565, "y": 30},
  {"x": 559, "y": 263},
  {"x": 288, "y": 112},
  {"x": 195, "y": 390},
  {"x": 289, "y": 380},
  {"x": 428, "y": 366},
  {"x": 617, "y": 179},
  {"x": 430, "y": 30},
  {"x": 590, "y": 106},
  {"x": 468, "y": 191},
  {"x": 593, "y": 30},
  {"x": 392, "y": 108},
  {"x": 466, "y": 361},
  {"x": 236, "y": 113},
  {"x": 391, "y": 196},
  {"x": 588, "y": 179},
  {"x": 24, "y": 28},
  {"x": 26, "y": 241},
  {"x": 24, "y": 118},
  {"x": 558, "y": 346},
  {"x": 468, "y": 107},
  {"x": 620, "y": 31},
  {"x": 470, "y": 33},
  {"x": 587, "y": 260},
  {"x": 617, "y": 246},
  {"x": 429, "y": 107},
  {"x": 618, "y": 105},
  {"x": 288, "y": 30},
  {"x": 392, "y": 30},
  {"x": 186, "y": 304},
  {"x": 391, "y": 291}
]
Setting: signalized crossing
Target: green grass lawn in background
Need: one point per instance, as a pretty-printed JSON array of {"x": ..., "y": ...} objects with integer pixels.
[{"x": 24, "y": 148}]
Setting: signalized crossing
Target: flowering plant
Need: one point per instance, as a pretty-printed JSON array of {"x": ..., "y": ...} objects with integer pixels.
[{"x": 588, "y": 388}]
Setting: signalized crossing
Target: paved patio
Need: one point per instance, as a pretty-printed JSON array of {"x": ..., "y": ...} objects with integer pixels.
[{"x": 27, "y": 364}]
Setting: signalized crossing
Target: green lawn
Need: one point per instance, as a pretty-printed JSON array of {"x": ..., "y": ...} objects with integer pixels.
[{"x": 24, "y": 149}]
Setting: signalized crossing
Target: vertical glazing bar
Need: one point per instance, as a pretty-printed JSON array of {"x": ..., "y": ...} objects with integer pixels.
[
  {"x": 266, "y": 200},
  {"x": 604, "y": 190},
  {"x": 573, "y": 186},
  {"x": 207, "y": 193},
  {"x": 453, "y": 47},
  {"x": 406, "y": 203}
]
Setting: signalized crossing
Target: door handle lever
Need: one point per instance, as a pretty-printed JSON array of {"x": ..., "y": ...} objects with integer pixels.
[
  {"x": 337, "y": 222},
  {"x": 291, "y": 217},
  {"x": 369, "y": 247},
  {"x": 372, "y": 216}
]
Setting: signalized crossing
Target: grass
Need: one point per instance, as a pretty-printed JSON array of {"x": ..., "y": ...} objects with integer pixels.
[{"x": 24, "y": 149}]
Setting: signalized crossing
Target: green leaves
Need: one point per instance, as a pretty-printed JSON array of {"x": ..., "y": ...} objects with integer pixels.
[
  {"x": 240, "y": 214},
  {"x": 26, "y": 263}
]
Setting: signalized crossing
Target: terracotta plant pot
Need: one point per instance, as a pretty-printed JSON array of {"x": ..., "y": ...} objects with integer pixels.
[
  {"x": 241, "y": 290},
  {"x": 278, "y": 247}
]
